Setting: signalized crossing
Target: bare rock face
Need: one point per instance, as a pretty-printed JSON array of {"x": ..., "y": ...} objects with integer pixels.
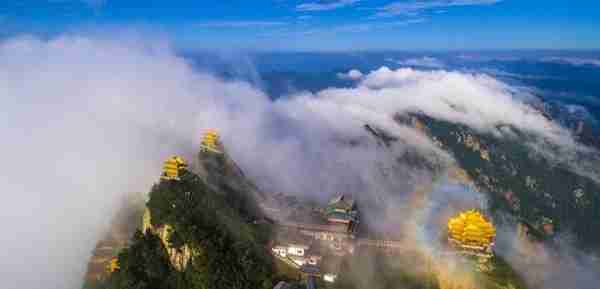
[
  {"x": 473, "y": 143},
  {"x": 179, "y": 257}
]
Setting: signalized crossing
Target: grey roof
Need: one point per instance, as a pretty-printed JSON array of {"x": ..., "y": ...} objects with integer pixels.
[
  {"x": 310, "y": 269},
  {"x": 341, "y": 202}
]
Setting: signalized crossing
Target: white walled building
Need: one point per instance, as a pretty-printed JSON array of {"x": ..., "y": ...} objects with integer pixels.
[{"x": 297, "y": 253}]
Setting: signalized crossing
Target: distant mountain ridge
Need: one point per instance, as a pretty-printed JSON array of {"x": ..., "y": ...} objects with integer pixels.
[{"x": 547, "y": 197}]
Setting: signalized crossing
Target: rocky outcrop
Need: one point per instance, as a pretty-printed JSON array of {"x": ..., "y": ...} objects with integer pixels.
[
  {"x": 179, "y": 257},
  {"x": 474, "y": 144}
]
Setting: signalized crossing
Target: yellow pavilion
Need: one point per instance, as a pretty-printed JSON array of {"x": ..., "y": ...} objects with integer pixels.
[
  {"x": 171, "y": 168},
  {"x": 472, "y": 233},
  {"x": 210, "y": 142},
  {"x": 113, "y": 265}
]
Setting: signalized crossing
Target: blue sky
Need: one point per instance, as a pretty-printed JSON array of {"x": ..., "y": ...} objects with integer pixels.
[{"x": 322, "y": 24}]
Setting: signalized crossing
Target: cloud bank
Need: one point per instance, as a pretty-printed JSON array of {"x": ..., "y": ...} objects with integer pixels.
[
  {"x": 425, "y": 61},
  {"x": 575, "y": 61},
  {"x": 88, "y": 119},
  {"x": 325, "y": 5},
  {"x": 475, "y": 100},
  {"x": 353, "y": 74},
  {"x": 240, "y": 24},
  {"x": 417, "y": 7},
  {"x": 85, "y": 120}
]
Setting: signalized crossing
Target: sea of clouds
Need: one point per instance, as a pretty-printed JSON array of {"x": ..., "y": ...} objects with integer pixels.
[{"x": 86, "y": 119}]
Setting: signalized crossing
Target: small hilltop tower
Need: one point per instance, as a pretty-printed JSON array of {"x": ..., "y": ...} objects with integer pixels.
[
  {"x": 210, "y": 142},
  {"x": 113, "y": 265},
  {"x": 472, "y": 234},
  {"x": 342, "y": 210},
  {"x": 171, "y": 168}
]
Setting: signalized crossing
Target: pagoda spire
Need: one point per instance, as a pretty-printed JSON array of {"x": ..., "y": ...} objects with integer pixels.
[
  {"x": 471, "y": 232},
  {"x": 172, "y": 167},
  {"x": 210, "y": 142}
]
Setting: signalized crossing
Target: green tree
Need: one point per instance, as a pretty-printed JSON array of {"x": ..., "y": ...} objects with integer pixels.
[{"x": 144, "y": 265}]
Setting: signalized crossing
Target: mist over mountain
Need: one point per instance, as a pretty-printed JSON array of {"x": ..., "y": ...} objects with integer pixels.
[{"x": 89, "y": 119}]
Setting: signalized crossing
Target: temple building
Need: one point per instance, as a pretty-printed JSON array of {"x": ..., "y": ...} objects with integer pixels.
[
  {"x": 172, "y": 167},
  {"x": 333, "y": 226},
  {"x": 342, "y": 210},
  {"x": 210, "y": 142},
  {"x": 113, "y": 265},
  {"x": 296, "y": 249},
  {"x": 472, "y": 234}
]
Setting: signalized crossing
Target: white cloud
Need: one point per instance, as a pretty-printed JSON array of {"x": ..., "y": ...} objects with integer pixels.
[
  {"x": 365, "y": 27},
  {"x": 351, "y": 75},
  {"x": 415, "y": 7},
  {"x": 425, "y": 61},
  {"x": 575, "y": 61},
  {"x": 85, "y": 120},
  {"x": 325, "y": 5},
  {"x": 476, "y": 100},
  {"x": 240, "y": 24},
  {"x": 570, "y": 60},
  {"x": 545, "y": 266}
]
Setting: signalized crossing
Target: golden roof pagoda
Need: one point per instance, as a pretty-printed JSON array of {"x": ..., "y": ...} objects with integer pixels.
[
  {"x": 470, "y": 230},
  {"x": 210, "y": 141},
  {"x": 113, "y": 265},
  {"x": 171, "y": 168}
]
